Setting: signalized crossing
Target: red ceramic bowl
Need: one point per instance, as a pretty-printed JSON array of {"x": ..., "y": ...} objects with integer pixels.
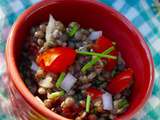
[{"x": 89, "y": 14}]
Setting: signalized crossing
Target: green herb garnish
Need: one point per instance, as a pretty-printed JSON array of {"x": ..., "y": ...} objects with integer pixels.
[
  {"x": 96, "y": 54},
  {"x": 56, "y": 95},
  {"x": 60, "y": 79},
  {"x": 95, "y": 60},
  {"x": 123, "y": 103},
  {"x": 73, "y": 30},
  {"x": 88, "y": 103}
]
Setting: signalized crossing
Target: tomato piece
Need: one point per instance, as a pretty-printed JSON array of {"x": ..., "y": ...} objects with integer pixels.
[
  {"x": 111, "y": 63},
  {"x": 101, "y": 45},
  {"x": 94, "y": 92},
  {"x": 121, "y": 81},
  {"x": 56, "y": 60}
]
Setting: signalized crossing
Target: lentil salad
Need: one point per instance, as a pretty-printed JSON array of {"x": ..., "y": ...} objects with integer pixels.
[{"x": 76, "y": 72}]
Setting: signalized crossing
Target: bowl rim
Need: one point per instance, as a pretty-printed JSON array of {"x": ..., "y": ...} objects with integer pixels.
[{"x": 21, "y": 87}]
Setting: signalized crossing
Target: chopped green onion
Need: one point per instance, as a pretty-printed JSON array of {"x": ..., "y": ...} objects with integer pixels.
[
  {"x": 108, "y": 50},
  {"x": 123, "y": 103},
  {"x": 89, "y": 64},
  {"x": 95, "y": 60},
  {"x": 88, "y": 103},
  {"x": 60, "y": 79},
  {"x": 56, "y": 95},
  {"x": 73, "y": 30},
  {"x": 96, "y": 54}
]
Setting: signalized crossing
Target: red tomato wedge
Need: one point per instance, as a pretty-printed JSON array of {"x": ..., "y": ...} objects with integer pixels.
[
  {"x": 56, "y": 60},
  {"x": 94, "y": 92},
  {"x": 101, "y": 45},
  {"x": 111, "y": 63},
  {"x": 121, "y": 81}
]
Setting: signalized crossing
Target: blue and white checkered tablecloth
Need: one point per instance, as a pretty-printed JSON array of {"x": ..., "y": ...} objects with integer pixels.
[{"x": 139, "y": 12}]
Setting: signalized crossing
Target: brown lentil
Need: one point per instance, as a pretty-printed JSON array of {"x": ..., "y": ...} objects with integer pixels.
[
  {"x": 99, "y": 106},
  {"x": 84, "y": 79},
  {"x": 60, "y": 26},
  {"x": 71, "y": 92},
  {"x": 92, "y": 117},
  {"x": 48, "y": 103},
  {"x": 41, "y": 91},
  {"x": 85, "y": 86},
  {"x": 102, "y": 118},
  {"x": 69, "y": 101},
  {"x": 40, "y": 42},
  {"x": 39, "y": 34},
  {"x": 57, "y": 34},
  {"x": 53, "y": 109},
  {"x": 82, "y": 103},
  {"x": 83, "y": 115},
  {"x": 39, "y": 74},
  {"x": 43, "y": 27},
  {"x": 117, "y": 96},
  {"x": 111, "y": 116},
  {"x": 78, "y": 118},
  {"x": 59, "y": 42}
]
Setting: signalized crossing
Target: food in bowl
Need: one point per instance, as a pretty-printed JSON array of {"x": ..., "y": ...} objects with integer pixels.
[{"x": 76, "y": 72}]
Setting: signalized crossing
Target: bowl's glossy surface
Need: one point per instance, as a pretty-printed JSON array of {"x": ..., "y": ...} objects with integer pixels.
[{"x": 89, "y": 14}]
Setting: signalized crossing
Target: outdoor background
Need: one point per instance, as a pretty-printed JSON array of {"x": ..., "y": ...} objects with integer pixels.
[{"x": 141, "y": 13}]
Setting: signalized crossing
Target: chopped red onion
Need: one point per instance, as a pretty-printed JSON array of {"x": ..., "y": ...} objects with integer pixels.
[
  {"x": 107, "y": 101},
  {"x": 95, "y": 35},
  {"x": 34, "y": 66},
  {"x": 68, "y": 82},
  {"x": 50, "y": 28}
]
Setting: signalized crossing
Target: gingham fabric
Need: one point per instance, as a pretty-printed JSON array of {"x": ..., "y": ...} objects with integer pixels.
[{"x": 139, "y": 12}]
